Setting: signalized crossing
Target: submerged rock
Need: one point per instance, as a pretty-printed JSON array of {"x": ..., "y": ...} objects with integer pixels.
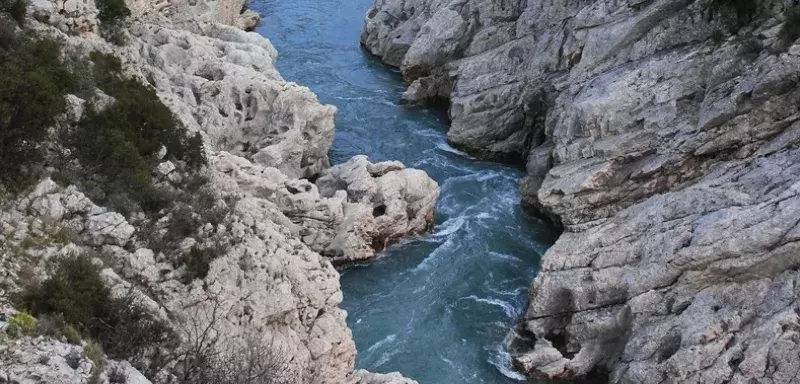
[{"x": 665, "y": 146}]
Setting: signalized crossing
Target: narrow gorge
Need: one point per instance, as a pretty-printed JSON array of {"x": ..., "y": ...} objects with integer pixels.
[
  {"x": 436, "y": 308},
  {"x": 399, "y": 191}
]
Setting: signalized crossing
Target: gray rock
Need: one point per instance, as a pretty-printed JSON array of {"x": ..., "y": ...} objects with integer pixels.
[
  {"x": 248, "y": 20},
  {"x": 364, "y": 377},
  {"x": 108, "y": 228},
  {"x": 165, "y": 168},
  {"x": 42, "y": 360},
  {"x": 669, "y": 158}
]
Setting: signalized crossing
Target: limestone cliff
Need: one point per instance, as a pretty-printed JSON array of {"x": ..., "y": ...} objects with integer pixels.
[
  {"x": 265, "y": 139},
  {"x": 663, "y": 136}
]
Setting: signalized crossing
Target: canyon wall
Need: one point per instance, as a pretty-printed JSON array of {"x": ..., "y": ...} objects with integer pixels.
[
  {"x": 290, "y": 215},
  {"x": 662, "y": 136}
]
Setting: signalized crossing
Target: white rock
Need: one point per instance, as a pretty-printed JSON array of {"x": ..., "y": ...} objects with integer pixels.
[
  {"x": 49, "y": 206},
  {"x": 108, "y": 228},
  {"x": 165, "y": 168}
]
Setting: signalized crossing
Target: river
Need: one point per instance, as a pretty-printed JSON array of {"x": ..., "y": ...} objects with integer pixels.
[{"x": 437, "y": 307}]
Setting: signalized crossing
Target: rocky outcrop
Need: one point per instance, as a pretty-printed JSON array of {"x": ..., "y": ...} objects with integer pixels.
[
  {"x": 266, "y": 140},
  {"x": 354, "y": 210},
  {"x": 363, "y": 377},
  {"x": 387, "y": 201},
  {"x": 663, "y": 137},
  {"x": 225, "y": 85},
  {"x": 44, "y": 360}
]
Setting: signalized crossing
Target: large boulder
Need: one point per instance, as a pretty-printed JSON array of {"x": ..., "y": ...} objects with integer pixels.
[{"x": 352, "y": 211}]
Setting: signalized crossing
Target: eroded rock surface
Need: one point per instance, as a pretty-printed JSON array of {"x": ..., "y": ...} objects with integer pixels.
[
  {"x": 43, "y": 360},
  {"x": 354, "y": 210},
  {"x": 265, "y": 139},
  {"x": 666, "y": 147},
  {"x": 363, "y": 377}
]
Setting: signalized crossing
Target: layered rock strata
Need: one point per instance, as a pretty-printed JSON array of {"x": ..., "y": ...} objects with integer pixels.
[{"x": 663, "y": 137}]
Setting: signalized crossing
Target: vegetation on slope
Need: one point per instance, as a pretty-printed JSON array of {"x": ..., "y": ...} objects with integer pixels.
[
  {"x": 111, "y": 151},
  {"x": 75, "y": 293},
  {"x": 118, "y": 146},
  {"x": 115, "y": 146},
  {"x": 33, "y": 83}
]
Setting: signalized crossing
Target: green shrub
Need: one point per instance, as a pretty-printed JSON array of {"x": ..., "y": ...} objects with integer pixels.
[
  {"x": 117, "y": 146},
  {"x": 24, "y": 322},
  {"x": 71, "y": 334},
  {"x": 136, "y": 331},
  {"x": 55, "y": 327},
  {"x": 198, "y": 262},
  {"x": 94, "y": 352},
  {"x": 105, "y": 67},
  {"x": 122, "y": 326},
  {"x": 112, "y": 16},
  {"x": 75, "y": 291},
  {"x": 33, "y": 82},
  {"x": 51, "y": 325},
  {"x": 12, "y": 331},
  {"x": 112, "y": 12},
  {"x": 790, "y": 31},
  {"x": 114, "y": 147},
  {"x": 14, "y": 8}
]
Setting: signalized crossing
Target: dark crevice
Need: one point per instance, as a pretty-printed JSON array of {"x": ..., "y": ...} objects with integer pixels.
[
  {"x": 669, "y": 346},
  {"x": 379, "y": 210}
]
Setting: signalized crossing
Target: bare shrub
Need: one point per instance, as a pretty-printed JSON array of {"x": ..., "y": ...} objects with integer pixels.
[
  {"x": 249, "y": 359},
  {"x": 211, "y": 357}
]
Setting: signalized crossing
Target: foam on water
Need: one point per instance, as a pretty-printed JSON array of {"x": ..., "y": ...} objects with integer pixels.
[
  {"x": 509, "y": 309},
  {"x": 441, "y": 250},
  {"x": 388, "y": 339},
  {"x": 500, "y": 359},
  {"x": 449, "y": 149},
  {"x": 503, "y": 256},
  {"x": 449, "y": 227}
]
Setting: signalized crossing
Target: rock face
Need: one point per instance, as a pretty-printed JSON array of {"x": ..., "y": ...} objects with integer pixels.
[
  {"x": 41, "y": 360},
  {"x": 352, "y": 211},
  {"x": 266, "y": 139},
  {"x": 363, "y": 377},
  {"x": 665, "y": 146},
  {"x": 225, "y": 85}
]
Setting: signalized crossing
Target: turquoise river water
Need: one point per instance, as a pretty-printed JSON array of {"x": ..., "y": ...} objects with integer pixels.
[{"x": 436, "y": 307}]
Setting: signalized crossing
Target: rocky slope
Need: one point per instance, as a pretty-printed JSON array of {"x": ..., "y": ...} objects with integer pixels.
[
  {"x": 663, "y": 136},
  {"x": 291, "y": 214}
]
